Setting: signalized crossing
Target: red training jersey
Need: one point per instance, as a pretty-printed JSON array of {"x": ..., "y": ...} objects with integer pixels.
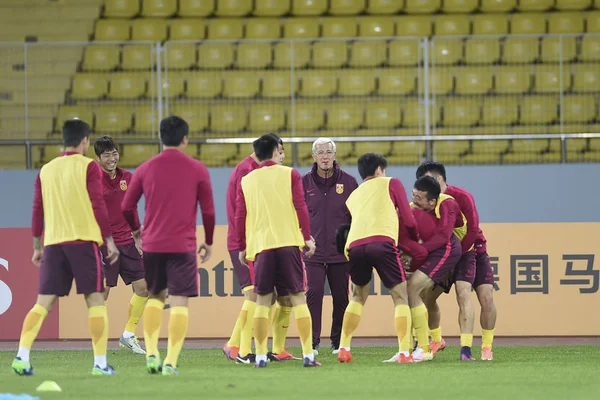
[
  {"x": 114, "y": 190},
  {"x": 246, "y": 166},
  {"x": 467, "y": 207}
]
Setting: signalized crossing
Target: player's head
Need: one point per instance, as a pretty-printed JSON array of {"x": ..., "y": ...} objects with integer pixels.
[
  {"x": 371, "y": 165},
  {"x": 76, "y": 133},
  {"x": 174, "y": 132},
  {"x": 425, "y": 193},
  {"x": 323, "y": 152},
  {"x": 266, "y": 148},
  {"x": 434, "y": 169},
  {"x": 107, "y": 153},
  {"x": 279, "y": 147}
]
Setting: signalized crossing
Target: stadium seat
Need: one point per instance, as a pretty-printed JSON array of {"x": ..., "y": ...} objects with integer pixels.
[
  {"x": 254, "y": 55},
  {"x": 565, "y": 22},
  {"x": 441, "y": 81},
  {"x": 172, "y": 85},
  {"x": 486, "y": 151},
  {"x": 555, "y": 49},
  {"x": 403, "y": 53},
  {"x": 594, "y": 144},
  {"x": 383, "y": 114},
  {"x": 461, "y": 112},
  {"x": 137, "y": 57},
  {"x": 590, "y": 48},
  {"x": 499, "y": 111},
  {"x": 300, "y": 28},
  {"x": 308, "y": 116},
  {"x": 266, "y": 118},
  {"x": 346, "y": 7},
  {"x": 204, "y": 85},
  {"x": 240, "y": 84},
  {"x": 195, "y": 115},
  {"x": 277, "y": 84},
  {"x": 490, "y": 24},
  {"x": 535, "y": 5},
  {"x": 450, "y": 151},
  {"x": 548, "y": 80},
  {"x": 309, "y": 7},
  {"x": 33, "y": 127},
  {"x": 286, "y": 56},
  {"x": 100, "y": 58},
  {"x": 528, "y": 23},
  {"x": 233, "y": 8},
  {"x": 397, "y": 81},
  {"x": 520, "y": 50},
  {"x": 145, "y": 120},
  {"x": 66, "y": 113},
  {"x": 112, "y": 120},
  {"x": 376, "y": 26},
  {"x": 187, "y": 29},
  {"x": 215, "y": 55},
  {"x": 121, "y": 8},
  {"x": 567, "y": 5},
  {"x": 125, "y": 85},
  {"x": 315, "y": 84},
  {"x": 512, "y": 80},
  {"x": 217, "y": 155},
  {"x": 159, "y": 8},
  {"x": 538, "y": 110},
  {"x": 482, "y": 51},
  {"x": 356, "y": 82},
  {"x": 446, "y": 51},
  {"x": 579, "y": 109},
  {"x": 13, "y": 157},
  {"x": 339, "y": 27},
  {"x": 344, "y": 115},
  {"x": 473, "y": 81},
  {"x": 367, "y": 53},
  {"x": 89, "y": 86},
  {"x": 271, "y": 8},
  {"x": 414, "y": 25},
  {"x": 196, "y": 8},
  {"x": 380, "y": 7},
  {"x": 452, "y": 25},
  {"x": 586, "y": 78},
  {"x": 497, "y": 6},
  {"x": 111, "y": 30},
  {"x": 228, "y": 118},
  {"x": 413, "y": 114},
  {"x": 460, "y": 6},
  {"x": 383, "y": 148},
  {"x": 576, "y": 145},
  {"x": 406, "y": 153},
  {"x": 179, "y": 56},
  {"x": 329, "y": 54},
  {"x": 132, "y": 155},
  {"x": 535, "y": 146},
  {"x": 263, "y": 28},
  {"x": 593, "y": 21},
  {"x": 422, "y": 6},
  {"x": 225, "y": 28},
  {"x": 149, "y": 29}
]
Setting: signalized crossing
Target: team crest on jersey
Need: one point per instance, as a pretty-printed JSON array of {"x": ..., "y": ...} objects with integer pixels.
[
  {"x": 123, "y": 185},
  {"x": 339, "y": 188}
]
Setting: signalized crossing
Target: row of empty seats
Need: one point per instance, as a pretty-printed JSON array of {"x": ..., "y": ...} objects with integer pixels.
[{"x": 155, "y": 29}]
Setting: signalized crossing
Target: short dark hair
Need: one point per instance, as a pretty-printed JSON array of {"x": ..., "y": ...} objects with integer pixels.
[
  {"x": 276, "y": 136},
  {"x": 428, "y": 185},
  {"x": 74, "y": 131},
  {"x": 368, "y": 164},
  {"x": 431, "y": 166},
  {"x": 265, "y": 145},
  {"x": 104, "y": 144},
  {"x": 172, "y": 130}
]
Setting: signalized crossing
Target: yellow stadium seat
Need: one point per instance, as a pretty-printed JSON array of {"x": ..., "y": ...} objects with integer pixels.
[
  {"x": 397, "y": 81},
  {"x": 263, "y": 28},
  {"x": 576, "y": 145},
  {"x": 240, "y": 84},
  {"x": 529, "y": 145},
  {"x": 112, "y": 120},
  {"x": 179, "y": 56},
  {"x": 33, "y": 127},
  {"x": 111, "y": 30},
  {"x": 344, "y": 115},
  {"x": 403, "y": 53},
  {"x": 450, "y": 151},
  {"x": 460, "y": 6},
  {"x": 286, "y": 55},
  {"x": 535, "y": 5},
  {"x": 215, "y": 55},
  {"x": 406, "y": 153},
  {"x": 121, "y": 8},
  {"x": 526, "y": 23},
  {"x": 461, "y": 112},
  {"x": 490, "y": 24},
  {"x": 13, "y": 157},
  {"x": 512, "y": 80},
  {"x": 486, "y": 152},
  {"x": 376, "y": 26},
  {"x": 579, "y": 109},
  {"x": 172, "y": 85},
  {"x": 414, "y": 25},
  {"x": 383, "y": 114},
  {"x": 446, "y": 51},
  {"x": 452, "y": 25},
  {"x": 309, "y": 7},
  {"x": 590, "y": 48},
  {"x": 315, "y": 84},
  {"x": 66, "y": 113},
  {"x": 413, "y": 114},
  {"x": 271, "y": 8},
  {"x": 499, "y": 111},
  {"x": 473, "y": 81},
  {"x": 127, "y": 86},
  {"x": 225, "y": 28},
  {"x": 266, "y": 118},
  {"x": 233, "y": 8},
  {"x": 187, "y": 29},
  {"x": 145, "y": 120},
  {"x": 422, "y": 6},
  {"x": 218, "y": 155},
  {"x": 566, "y": 5},
  {"x": 277, "y": 84},
  {"x": 595, "y": 143},
  {"x": 384, "y": 7},
  {"x": 346, "y": 7},
  {"x": 196, "y": 116},
  {"x": 482, "y": 51},
  {"x": 547, "y": 79},
  {"x": 149, "y": 29},
  {"x": 196, "y": 8},
  {"x": 538, "y": 110},
  {"x": 159, "y": 8},
  {"x": 343, "y": 27},
  {"x": 497, "y": 6},
  {"x": 89, "y": 86},
  {"x": 586, "y": 78},
  {"x": 367, "y": 53},
  {"x": 308, "y": 116},
  {"x": 100, "y": 58},
  {"x": 254, "y": 55},
  {"x": 204, "y": 85},
  {"x": 565, "y": 22},
  {"x": 329, "y": 54},
  {"x": 383, "y": 148},
  {"x": 228, "y": 118},
  {"x": 520, "y": 50},
  {"x": 300, "y": 28},
  {"x": 593, "y": 21},
  {"x": 356, "y": 82},
  {"x": 137, "y": 57},
  {"x": 132, "y": 155},
  {"x": 555, "y": 49}
]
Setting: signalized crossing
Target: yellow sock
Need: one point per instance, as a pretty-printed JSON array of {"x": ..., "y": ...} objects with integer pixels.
[
  {"x": 402, "y": 323},
  {"x": 304, "y": 326},
  {"x": 436, "y": 334},
  {"x": 98, "y": 322},
  {"x": 234, "y": 340},
  {"x": 152, "y": 322},
  {"x": 32, "y": 325},
  {"x": 280, "y": 328},
  {"x": 178, "y": 326},
  {"x": 273, "y": 311},
  {"x": 350, "y": 322},
  {"x": 247, "y": 323},
  {"x": 136, "y": 309},
  {"x": 261, "y": 329},
  {"x": 487, "y": 337},
  {"x": 419, "y": 319},
  {"x": 466, "y": 340}
]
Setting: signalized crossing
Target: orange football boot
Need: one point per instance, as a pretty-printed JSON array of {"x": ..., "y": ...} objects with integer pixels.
[{"x": 344, "y": 356}]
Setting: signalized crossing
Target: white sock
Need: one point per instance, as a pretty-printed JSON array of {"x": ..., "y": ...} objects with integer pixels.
[
  {"x": 23, "y": 354},
  {"x": 404, "y": 353},
  {"x": 100, "y": 361},
  {"x": 345, "y": 348},
  {"x": 310, "y": 356},
  {"x": 261, "y": 357},
  {"x": 128, "y": 335}
]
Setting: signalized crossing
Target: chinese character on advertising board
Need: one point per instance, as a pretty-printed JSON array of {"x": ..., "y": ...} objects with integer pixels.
[
  {"x": 582, "y": 267},
  {"x": 494, "y": 264},
  {"x": 529, "y": 274}
]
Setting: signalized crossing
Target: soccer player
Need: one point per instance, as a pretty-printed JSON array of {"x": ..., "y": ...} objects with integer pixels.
[
  {"x": 69, "y": 209},
  {"x": 273, "y": 226},
  {"x": 326, "y": 189},
  {"x": 173, "y": 184},
  {"x": 377, "y": 207},
  {"x": 483, "y": 280},
  {"x": 129, "y": 266}
]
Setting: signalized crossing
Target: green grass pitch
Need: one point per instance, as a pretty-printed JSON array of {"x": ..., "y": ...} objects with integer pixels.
[{"x": 520, "y": 372}]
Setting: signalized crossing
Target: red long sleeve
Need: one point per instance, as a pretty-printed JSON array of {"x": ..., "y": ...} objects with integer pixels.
[
  {"x": 207, "y": 206},
  {"x": 240, "y": 219},
  {"x": 467, "y": 206},
  {"x": 94, "y": 188},
  {"x": 300, "y": 204},
  {"x": 449, "y": 211},
  {"x": 132, "y": 196},
  {"x": 37, "y": 217},
  {"x": 407, "y": 219}
]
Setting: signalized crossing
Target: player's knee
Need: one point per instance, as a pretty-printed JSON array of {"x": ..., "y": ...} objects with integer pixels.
[
  {"x": 399, "y": 294},
  {"x": 288, "y": 301},
  {"x": 360, "y": 294},
  {"x": 486, "y": 298},
  {"x": 463, "y": 294}
]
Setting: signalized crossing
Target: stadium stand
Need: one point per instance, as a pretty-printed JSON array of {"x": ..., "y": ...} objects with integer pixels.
[{"x": 339, "y": 68}]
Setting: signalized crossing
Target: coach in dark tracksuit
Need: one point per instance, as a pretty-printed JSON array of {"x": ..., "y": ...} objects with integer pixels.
[{"x": 326, "y": 189}]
